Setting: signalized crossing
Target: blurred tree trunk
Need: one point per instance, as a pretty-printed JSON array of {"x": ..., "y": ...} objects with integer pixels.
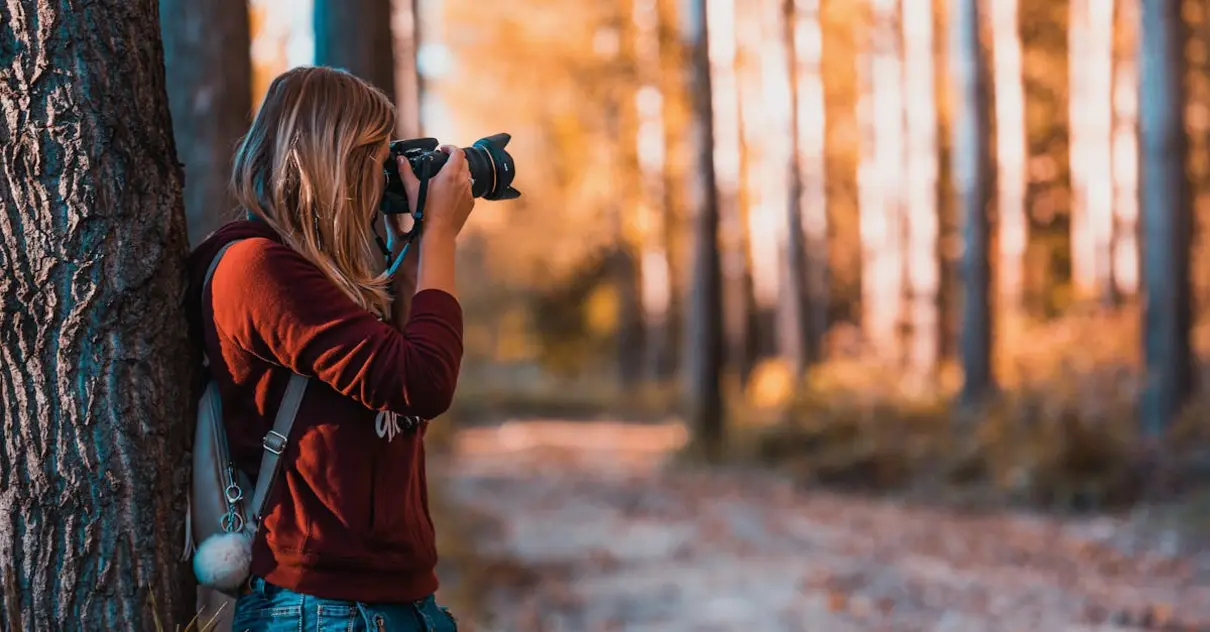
[
  {"x": 704, "y": 336},
  {"x": 971, "y": 190},
  {"x": 209, "y": 73},
  {"x": 95, "y": 363},
  {"x": 651, "y": 156},
  {"x": 405, "y": 30},
  {"x": 356, "y": 35},
  {"x": 729, "y": 161},
  {"x": 1091, "y": 57},
  {"x": 923, "y": 264},
  {"x": 804, "y": 294},
  {"x": 1167, "y": 224},
  {"x": 763, "y": 176},
  {"x": 883, "y": 185},
  {"x": 1125, "y": 246},
  {"x": 679, "y": 171},
  {"x": 1011, "y": 157}
]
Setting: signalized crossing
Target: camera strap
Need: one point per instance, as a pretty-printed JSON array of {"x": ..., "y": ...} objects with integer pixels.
[{"x": 417, "y": 222}]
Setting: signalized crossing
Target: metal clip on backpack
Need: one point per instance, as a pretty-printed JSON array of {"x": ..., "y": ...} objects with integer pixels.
[{"x": 222, "y": 521}]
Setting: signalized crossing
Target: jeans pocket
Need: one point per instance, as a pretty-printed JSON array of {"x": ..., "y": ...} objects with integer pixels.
[
  {"x": 336, "y": 617},
  {"x": 268, "y": 609}
]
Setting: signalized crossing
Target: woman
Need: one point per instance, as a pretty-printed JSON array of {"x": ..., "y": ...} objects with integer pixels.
[{"x": 346, "y": 542}]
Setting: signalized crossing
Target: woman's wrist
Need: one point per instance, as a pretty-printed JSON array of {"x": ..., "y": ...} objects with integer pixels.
[{"x": 437, "y": 256}]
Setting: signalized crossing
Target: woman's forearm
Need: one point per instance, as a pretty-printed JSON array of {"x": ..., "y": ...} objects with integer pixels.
[
  {"x": 403, "y": 287},
  {"x": 436, "y": 272}
]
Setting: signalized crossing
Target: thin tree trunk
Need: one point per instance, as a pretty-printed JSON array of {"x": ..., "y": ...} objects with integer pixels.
[
  {"x": 1090, "y": 51},
  {"x": 728, "y": 161},
  {"x": 704, "y": 337},
  {"x": 767, "y": 105},
  {"x": 356, "y": 35},
  {"x": 678, "y": 169},
  {"x": 804, "y": 295},
  {"x": 405, "y": 29},
  {"x": 882, "y": 184},
  {"x": 920, "y": 169},
  {"x": 655, "y": 284},
  {"x": 95, "y": 363},
  {"x": 1126, "y": 151},
  {"x": 971, "y": 190},
  {"x": 209, "y": 71},
  {"x": 1011, "y": 156},
  {"x": 1164, "y": 193}
]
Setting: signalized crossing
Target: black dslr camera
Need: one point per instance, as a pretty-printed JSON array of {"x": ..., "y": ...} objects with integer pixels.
[{"x": 492, "y": 170}]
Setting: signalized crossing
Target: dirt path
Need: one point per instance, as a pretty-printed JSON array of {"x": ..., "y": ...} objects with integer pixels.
[{"x": 619, "y": 542}]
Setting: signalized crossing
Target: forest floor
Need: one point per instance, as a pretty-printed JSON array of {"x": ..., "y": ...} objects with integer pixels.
[{"x": 594, "y": 527}]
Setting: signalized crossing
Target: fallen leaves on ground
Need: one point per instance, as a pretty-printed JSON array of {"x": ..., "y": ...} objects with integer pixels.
[{"x": 612, "y": 537}]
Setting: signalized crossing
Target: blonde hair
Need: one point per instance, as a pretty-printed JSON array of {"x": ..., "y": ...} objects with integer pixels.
[{"x": 310, "y": 168}]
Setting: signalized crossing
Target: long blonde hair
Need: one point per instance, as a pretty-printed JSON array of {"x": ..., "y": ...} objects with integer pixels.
[{"x": 310, "y": 168}]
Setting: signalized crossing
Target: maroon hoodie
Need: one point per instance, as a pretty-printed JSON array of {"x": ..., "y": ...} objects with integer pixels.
[{"x": 348, "y": 517}]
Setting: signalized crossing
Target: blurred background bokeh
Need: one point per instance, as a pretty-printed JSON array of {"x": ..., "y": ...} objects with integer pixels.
[{"x": 945, "y": 252}]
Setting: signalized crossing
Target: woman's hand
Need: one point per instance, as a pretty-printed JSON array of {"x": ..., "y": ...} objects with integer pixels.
[
  {"x": 447, "y": 205},
  {"x": 449, "y": 201}
]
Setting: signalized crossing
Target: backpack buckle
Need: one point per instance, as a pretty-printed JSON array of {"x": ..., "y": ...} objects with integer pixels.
[{"x": 274, "y": 442}]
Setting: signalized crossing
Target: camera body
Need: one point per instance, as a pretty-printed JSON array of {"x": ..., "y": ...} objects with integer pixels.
[{"x": 492, "y": 169}]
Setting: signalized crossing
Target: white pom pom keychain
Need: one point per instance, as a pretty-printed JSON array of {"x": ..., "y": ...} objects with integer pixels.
[{"x": 222, "y": 560}]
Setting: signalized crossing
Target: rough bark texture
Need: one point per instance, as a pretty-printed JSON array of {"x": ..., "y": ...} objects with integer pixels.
[
  {"x": 971, "y": 190},
  {"x": 95, "y": 366},
  {"x": 206, "y": 52},
  {"x": 704, "y": 336},
  {"x": 1164, "y": 193},
  {"x": 356, "y": 35}
]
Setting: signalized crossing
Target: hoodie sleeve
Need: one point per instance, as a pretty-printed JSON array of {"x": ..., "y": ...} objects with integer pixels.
[{"x": 274, "y": 303}]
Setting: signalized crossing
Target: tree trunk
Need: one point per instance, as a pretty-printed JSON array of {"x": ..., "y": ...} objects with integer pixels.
[
  {"x": 728, "y": 161},
  {"x": 1164, "y": 193},
  {"x": 678, "y": 172},
  {"x": 970, "y": 169},
  {"x": 356, "y": 35},
  {"x": 1090, "y": 53},
  {"x": 1011, "y": 156},
  {"x": 804, "y": 295},
  {"x": 405, "y": 29},
  {"x": 209, "y": 71},
  {"x": 923, "y": 264},
  {"x": 704, "y": 336},
  {"x": 1126, "y": 151},
  {"x": 96, "y": 368},
  {"x": 883, "y": 288},
  {"x": 649, "y": 143}
]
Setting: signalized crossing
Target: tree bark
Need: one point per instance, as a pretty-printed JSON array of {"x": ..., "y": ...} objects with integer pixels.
[
  {"x": 209, "y": 72},
  {"x": 971, "y": 190},
  {"x": 704, "y": 336},
  {"x": 1164, "y": 193},
  {"x": 356, "y": 35},
  {"x": 96, "y": 367}
]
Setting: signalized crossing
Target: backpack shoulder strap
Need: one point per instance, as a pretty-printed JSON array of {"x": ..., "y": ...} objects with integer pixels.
[
  {"x": 274, "y": 444},
  {"x": 275, "y": 440}
]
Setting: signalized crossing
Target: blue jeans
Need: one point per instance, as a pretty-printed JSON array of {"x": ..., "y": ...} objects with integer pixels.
[{"x": 269, "y": 608}]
